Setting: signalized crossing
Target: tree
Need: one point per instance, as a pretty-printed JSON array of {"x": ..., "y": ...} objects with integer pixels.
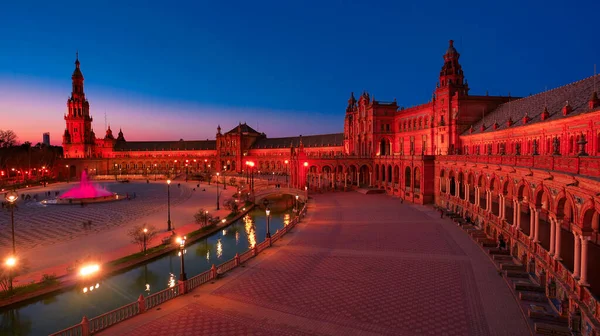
[
  {"x": 232, "y": 206},
  {"x": 137, "y": 234},
  {"x": 20, "y": 268},
  {"x": 8, "y": 138},
  {"x": 202, "y": 217}
]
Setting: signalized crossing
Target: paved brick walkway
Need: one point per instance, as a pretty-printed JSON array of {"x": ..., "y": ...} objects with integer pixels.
[{"x": 384, "y": 268}]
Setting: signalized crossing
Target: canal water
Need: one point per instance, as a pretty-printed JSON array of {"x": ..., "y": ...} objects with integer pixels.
[{"x": 62, "y": 310}]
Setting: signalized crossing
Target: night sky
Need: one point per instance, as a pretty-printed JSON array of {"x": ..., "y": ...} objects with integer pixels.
[{"x": 165, "y": 70}]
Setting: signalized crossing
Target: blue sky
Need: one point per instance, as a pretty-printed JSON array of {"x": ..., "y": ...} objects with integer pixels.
[{"x": 168, "y": 70}]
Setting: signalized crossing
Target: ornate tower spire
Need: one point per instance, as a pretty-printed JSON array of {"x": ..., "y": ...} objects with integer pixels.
[
  {"x": 77, "y": 79},
  {"x": 451, "y": 73}
]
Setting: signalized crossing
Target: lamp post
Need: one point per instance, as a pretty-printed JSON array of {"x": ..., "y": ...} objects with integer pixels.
[
  {"x": 155, "y": 169},
  {"x": 168, "y": 205},
  {"x": 68, "y": 173},
  {"x": 268, "y": 211},
  {"x": 145, "y": 232},
  {"x": 11, "y": 197},
  {"x": 10, "y": 263},
  {"x": 206, "y": 218},
  {"x": 208, "y": 174},
  {"x": 296, "y": 207},
  {"x": 224, "y": 181},
  {"x": 287, "y": 173},
  {"x": 181, "y": 241},
  {"x": 217, "y": 191}
]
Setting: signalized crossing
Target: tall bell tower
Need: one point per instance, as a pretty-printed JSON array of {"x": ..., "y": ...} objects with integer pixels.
[{"x": 78, "y": 138}]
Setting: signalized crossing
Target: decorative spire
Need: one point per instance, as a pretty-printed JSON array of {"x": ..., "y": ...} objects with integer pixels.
[
  {"x": 495, "y": 125},
  {"x": 509, "y": 122},
  {"x": 545, "y": 113},
  {"x": 526, "y": 118},
  {"x": 567, "y": 108}
]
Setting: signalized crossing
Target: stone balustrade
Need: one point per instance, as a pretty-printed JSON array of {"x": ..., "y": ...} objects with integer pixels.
[{"x": 582, "y": 165}]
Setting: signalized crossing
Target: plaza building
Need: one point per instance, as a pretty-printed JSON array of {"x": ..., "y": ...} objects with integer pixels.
[{"x": 524, "y": 167}]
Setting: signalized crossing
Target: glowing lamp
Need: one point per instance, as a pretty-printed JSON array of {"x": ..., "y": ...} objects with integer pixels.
[
  {"x": 168, "y": 181},
  {"x": 305, "y": 164},
  {"x": 89, "y": 269},
  {"x": 11, "y": 261}
]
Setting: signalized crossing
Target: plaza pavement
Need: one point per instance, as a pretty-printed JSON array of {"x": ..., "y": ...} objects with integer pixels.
[
  {"x": 358, "y": 265},
  {"x": 52, "y": 238}
]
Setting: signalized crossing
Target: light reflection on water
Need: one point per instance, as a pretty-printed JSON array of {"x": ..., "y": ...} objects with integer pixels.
[{"x": 62, "y": 310}]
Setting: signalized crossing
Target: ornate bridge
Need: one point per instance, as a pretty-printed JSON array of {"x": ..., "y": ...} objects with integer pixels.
[{"x": 261, "y": 194}]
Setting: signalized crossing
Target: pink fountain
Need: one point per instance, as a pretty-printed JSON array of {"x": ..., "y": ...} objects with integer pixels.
[{"x": 86, "y": 192}]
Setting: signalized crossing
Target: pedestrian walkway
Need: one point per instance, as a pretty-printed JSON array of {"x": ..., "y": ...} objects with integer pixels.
[{"x": 383, "y": 268}]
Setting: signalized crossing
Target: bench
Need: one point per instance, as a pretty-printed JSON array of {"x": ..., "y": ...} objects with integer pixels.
[
  {"x": 551, "y": 329},
  {"x": 528, "y": 287},
  {"x": 517, "y": 274},
  {"x": 533, "y": 297},
  {"x": 548, "y": 317},
  {"x": 512, "y": 267}
]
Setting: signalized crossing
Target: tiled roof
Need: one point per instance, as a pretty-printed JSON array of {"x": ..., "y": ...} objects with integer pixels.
[
  {"x": 165, "y": 145},
  {"x": 322, "y": 140},
  {"x": 244, "y": 127},
  {"x": 577, "y": 94}
]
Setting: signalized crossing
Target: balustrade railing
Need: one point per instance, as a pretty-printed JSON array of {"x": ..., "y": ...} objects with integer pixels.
[
  {"x": 583, "y": 165},
  {"x": 198, "y": 280},
  {"x": 120, "y": 314},
  {"x": 113, "y": 317}
]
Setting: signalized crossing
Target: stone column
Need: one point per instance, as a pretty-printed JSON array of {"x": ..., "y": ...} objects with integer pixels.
[
  {"x": 488, "y": 200},
  {"x": 447, "y": 186},
  {"x": 584, "y": 264},
  {"x": 370, "y": 179},
  {"x": 518, "y": 214},
  {"x": 557, "y": 241},
  {"x": 358, "y": 179},
  {"x": 552, "y": 235},
  {"x": 577, "y": 259},
  {"x": 476, "y": 196},
  {"x": 345, "y": 180},
  {"x": 531, "y": 223},
  {"x": 319, "y": 179},
  {"x": 457, "y": 188},
  {"x": 536, "y": 225}
]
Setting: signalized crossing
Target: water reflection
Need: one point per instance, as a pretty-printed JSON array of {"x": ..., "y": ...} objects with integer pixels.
[
  {"x": 286, "y": 219},
  {"x": 250, "y": 231},
  {"x": 219, "y": 249},
  {"x": 237, "y": 237},
  {"x": 13, "y": 323},
  {"x": 171, "y": 283}
]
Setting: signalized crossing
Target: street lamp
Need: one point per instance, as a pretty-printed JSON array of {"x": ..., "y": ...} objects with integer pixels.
[
  {"x": 287, "y": 173},
  {"x": 206, "y": 218},
  {"x": 11, "y": 197},
  {"x": 145, "y": 232},
  {"x": 217, "y": 191},
  {"x": 296, "y": 207},
  {"x": 268, "y": 211},
  {"x": 10, "y": 263},
  {"x": 224, "y": 181},
  {"x": 181, "y": 241},
  {"x": 168, "y": 205},
  {"x": 68, "y": 177}
]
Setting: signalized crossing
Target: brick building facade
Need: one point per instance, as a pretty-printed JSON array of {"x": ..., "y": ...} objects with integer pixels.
[{"x": 524, "y": 167}]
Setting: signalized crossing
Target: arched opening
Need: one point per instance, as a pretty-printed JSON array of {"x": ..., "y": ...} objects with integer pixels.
[
  {"x": 396, "y": 177},
  {"x": 452, "y": 185},
  {"x": 565, "y": 215},
  {"x": 417, "y": 184},
  {"x": 382, "y": 174},
  {"x": 352, "y": 174},
  {"x": 364, "y": 175},
  {"x": 461, "y": 185},
  {"x": 525, "y": 214},
  {"x": 377, "y": 175},
  {"x": 471, "y": 186},
  {"x": 482, "y": 193},
  {"x": 385, "y": 147},
  {"x": 508, "y": 202},
  {"x": 389, "y": 174},
  {"x": 442, "y": 181},
  {"x": 542, "y": 200},
  {"x": 494, "y": 195},
  {"x": 407, "y": 179}
]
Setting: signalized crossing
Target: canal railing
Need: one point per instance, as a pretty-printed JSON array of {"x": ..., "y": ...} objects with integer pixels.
[{"x": 99, "y": 323}]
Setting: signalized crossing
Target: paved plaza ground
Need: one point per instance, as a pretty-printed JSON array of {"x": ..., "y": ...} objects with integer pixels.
[
  {"x": 358, "y": 265},
  {"x": 51, "y": 237}
]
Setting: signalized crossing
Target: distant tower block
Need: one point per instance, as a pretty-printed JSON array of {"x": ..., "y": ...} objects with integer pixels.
[{"x": 46, "y": 139}]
